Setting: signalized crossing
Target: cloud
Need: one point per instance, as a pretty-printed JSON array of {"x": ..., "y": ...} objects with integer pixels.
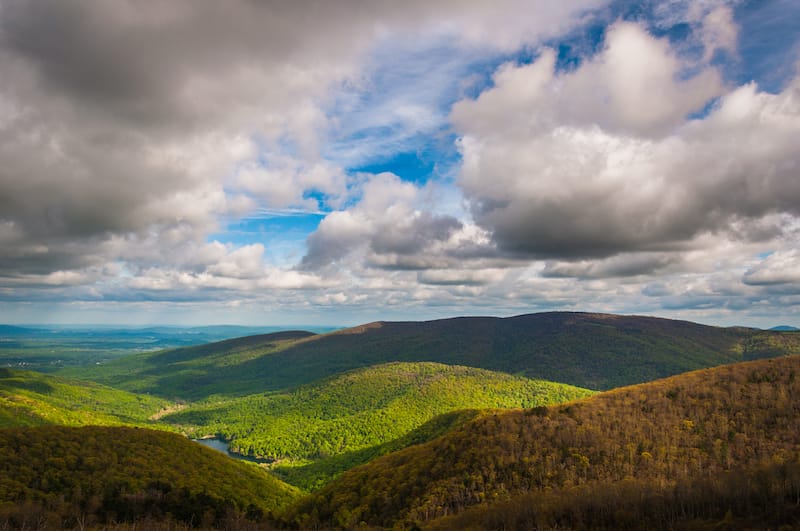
[
  {"x": 633, "y": 87},
  {"x": 720, "y": 32},
  {"x": 624, "y": 265},
  {"x": 119, "y": 120},
  {"x": 778, "y": 269},
  {"x": 135, "y": 136},
  {"x": 454, "y": 277},
  {"x": 388, "y": 224},
  {"x": 593, "y": 164}
]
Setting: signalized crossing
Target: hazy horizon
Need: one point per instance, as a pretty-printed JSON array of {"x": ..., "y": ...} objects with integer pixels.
[{"x": 331, "y": 325}]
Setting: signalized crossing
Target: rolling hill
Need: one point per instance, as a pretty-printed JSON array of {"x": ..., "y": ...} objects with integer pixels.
[
  {"x": 32, "y": 399},
  {"x": 704, "y": 448},
  {"x": 59, "y": 477},
  {"x": 387, "y": 423},
  {"x": 595, "y": 351},
  {"x": 339, "y": 421}
]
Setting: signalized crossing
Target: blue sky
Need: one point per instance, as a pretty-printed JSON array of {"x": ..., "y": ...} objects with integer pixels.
[{"x": 302, "y": 163}]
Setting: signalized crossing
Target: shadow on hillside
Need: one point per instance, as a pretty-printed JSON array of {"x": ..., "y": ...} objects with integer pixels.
[{"x": 315, "y": 475}]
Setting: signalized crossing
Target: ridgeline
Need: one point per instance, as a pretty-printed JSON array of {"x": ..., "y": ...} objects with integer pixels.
[{"x": 593, "y": 351}]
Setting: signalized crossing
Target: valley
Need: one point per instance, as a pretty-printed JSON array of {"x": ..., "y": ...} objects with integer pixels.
[{"x": 444, "y": 424}]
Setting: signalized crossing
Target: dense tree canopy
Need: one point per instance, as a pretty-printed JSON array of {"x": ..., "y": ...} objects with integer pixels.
[
  {"x": 67, "y": 476},
  {"x": 595, "y": 351},
  {"x": 684, "y": 430}
]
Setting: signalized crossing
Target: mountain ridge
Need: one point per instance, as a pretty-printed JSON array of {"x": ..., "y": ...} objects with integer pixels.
[{"x": 590, "y": 350}]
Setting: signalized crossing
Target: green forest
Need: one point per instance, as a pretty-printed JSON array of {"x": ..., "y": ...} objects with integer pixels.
[
  {"x": 593, "y": 351},
  {"x": 31, "y": 399},
  {"x": 402, "y": 425},
  {"x": 358, "y": 410},
  {"x": 663, "y": 439}
]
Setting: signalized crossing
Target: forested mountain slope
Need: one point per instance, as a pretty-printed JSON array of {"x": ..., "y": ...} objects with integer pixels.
[
  {"x": 54, "y": 477},
  {"x": 595, "y": 351},
  {"x": 32, "y": 399},
  {"x": 685, "y": 449},
  {"x": 345, "y": 416}
]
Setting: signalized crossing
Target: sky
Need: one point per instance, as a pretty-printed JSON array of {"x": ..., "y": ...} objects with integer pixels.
[{"x": 339, "y": 162}]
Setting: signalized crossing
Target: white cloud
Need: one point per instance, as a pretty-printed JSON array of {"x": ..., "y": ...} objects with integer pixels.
[
  {"x": 633, "y": 86},
  {"x": 720, "y": 32},
  {"x": 129, "y": 136},
  {"x": 549, "y": 181},
  {"x": 387, "y": 223},
  {"x": 779, "y": 268},
  {"x": 117, "y": 120}
]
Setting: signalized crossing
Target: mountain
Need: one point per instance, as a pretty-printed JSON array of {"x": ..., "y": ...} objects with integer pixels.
[
  {"x": 58, "y": 477},
  {"x": 31, "y": 399},
  {"x": 595, "y": 351},
  {"x": 11, "y": 330},
  {"x": 339, "y": 421},
  {"x": 785, "y": 328},
  {"x": 715, "y": 448}
]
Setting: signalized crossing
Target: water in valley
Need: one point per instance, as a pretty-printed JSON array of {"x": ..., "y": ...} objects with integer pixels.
[{"x": 223, "y": 446}]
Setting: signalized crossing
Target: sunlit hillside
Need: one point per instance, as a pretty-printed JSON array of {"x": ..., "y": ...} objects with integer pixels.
[
  {"x": 346, "y": 419},
  {"x": 31, "y": 399},
  {"x": 692, "y": 448}
]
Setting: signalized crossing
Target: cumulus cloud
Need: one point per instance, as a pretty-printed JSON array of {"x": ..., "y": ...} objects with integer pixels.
[
  {"x": 633, "y": 87},
  {"x": 592, "y": 164},
  {"x": 123, "y": 119},
  {"x": 455, "y": 277},
  {"x": 388, "y": 226},
  {"x": 624, "y": 265},
  {"x": 779, "y": 268},
  {"x": 133, "y": 133},
  {"x": 120, "y": 121}
]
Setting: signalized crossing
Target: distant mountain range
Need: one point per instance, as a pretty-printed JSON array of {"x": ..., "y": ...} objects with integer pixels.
[
  {"x": 594, "y": 351},
  {"x": 785, "y": 328},
  {"x": 11, "y": 330}
]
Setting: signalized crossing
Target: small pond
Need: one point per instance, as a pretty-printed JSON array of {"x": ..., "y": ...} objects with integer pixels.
[{"x": 224, "y": 446}]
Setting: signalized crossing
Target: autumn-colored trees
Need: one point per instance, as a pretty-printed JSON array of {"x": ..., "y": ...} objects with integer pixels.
[
  {"x": 659, "y": 439},
  {"x": 69, "y": 477}
]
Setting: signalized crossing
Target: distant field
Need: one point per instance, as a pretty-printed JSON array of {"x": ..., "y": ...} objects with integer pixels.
[{"x": 49, "y": 348}]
